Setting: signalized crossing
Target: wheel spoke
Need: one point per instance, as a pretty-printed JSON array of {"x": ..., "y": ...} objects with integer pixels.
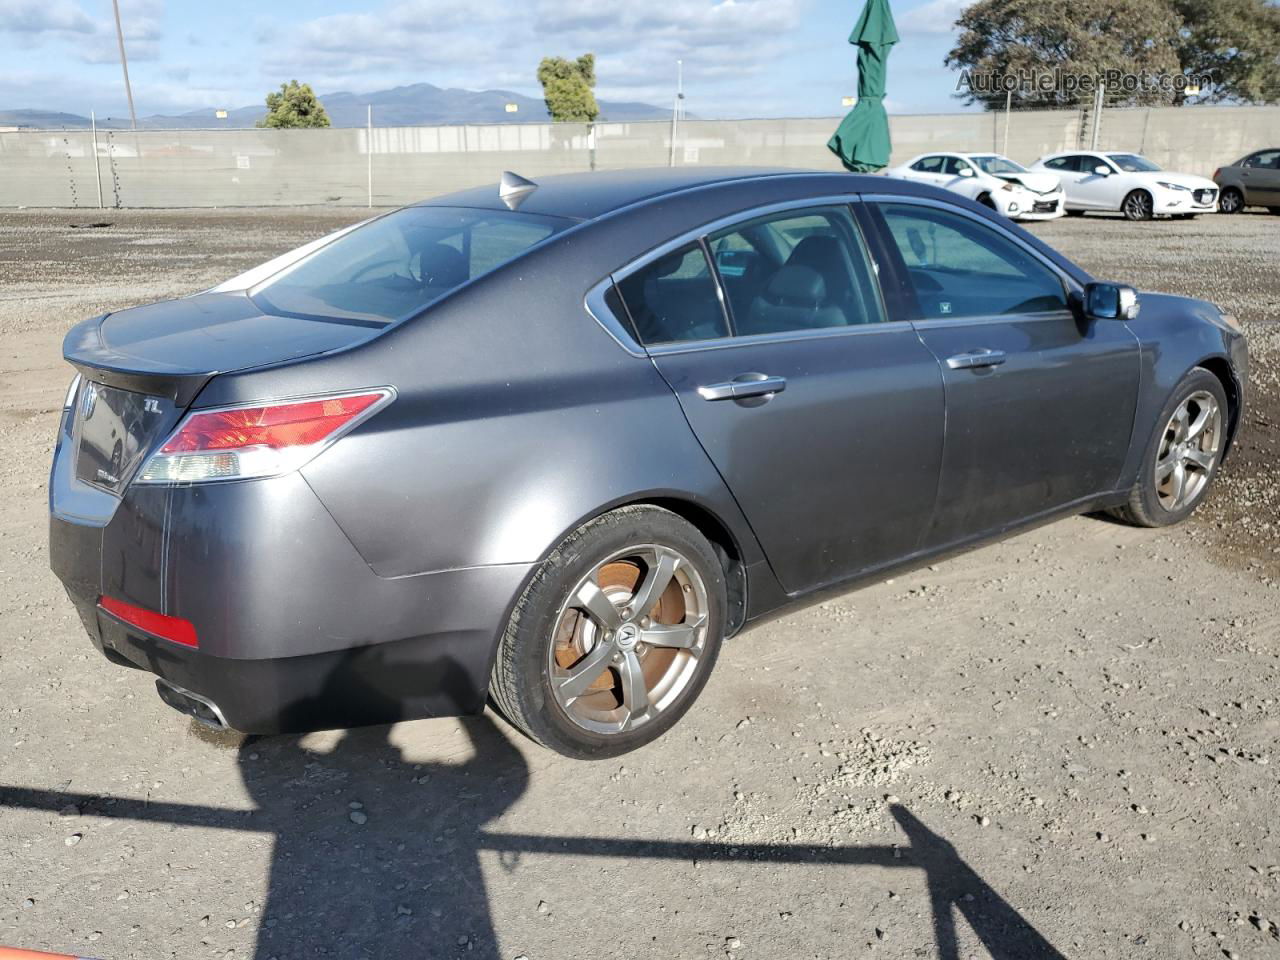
[
  {"x": 1197, "y": 425},
  {"x": 1180, "y": 424},
  {"x": 1179, "y": 480},
  {"x": 1200, "y": 458},
  {"x": 583, "y": 674},
  {"x": 681, "y": 636},
  {"x": 635, "y": 695},
  {"x": 601, "y": 609},
  {"x": 655, "y": 582},
  {"x": 1165, "y": 467}
]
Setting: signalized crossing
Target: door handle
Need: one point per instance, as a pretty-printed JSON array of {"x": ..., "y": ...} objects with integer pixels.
[
  {"x": 976, "y": 359},
  {"x": 745, "y": 386}
]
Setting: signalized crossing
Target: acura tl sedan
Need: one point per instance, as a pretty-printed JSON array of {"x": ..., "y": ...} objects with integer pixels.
[
  {"x": 548, "y": 446},
  {"x": 1130, "y": 184}
]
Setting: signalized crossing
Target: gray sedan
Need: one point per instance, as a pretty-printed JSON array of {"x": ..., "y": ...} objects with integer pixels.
[{"x": 549, "y": 445}]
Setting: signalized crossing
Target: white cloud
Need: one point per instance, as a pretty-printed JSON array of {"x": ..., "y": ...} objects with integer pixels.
[
  {"x": 44, "y": 16},
  {"x": 932, "y": 17}
]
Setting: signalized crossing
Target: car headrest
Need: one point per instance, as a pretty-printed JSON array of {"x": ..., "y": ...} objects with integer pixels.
[
  {"x": 797, "y": 284},
  {"x": 443, "y": 266}
]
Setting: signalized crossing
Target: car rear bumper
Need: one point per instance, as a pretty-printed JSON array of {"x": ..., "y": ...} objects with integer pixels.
[{"x": 295, "y": 631}]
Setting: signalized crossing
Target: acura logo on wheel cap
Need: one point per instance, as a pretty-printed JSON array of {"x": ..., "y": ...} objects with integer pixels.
[{"x": 627, "y": 636}]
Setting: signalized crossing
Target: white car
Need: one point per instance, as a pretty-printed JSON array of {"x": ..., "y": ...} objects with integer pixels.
[
  {"x": 1128, "y": 183},
  {"x": 990, "y": 179}
]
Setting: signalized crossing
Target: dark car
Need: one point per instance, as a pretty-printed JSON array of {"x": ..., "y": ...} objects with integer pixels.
[
  {"x": 1253, "y": 181},
  {"x": 550, "y": 445}
]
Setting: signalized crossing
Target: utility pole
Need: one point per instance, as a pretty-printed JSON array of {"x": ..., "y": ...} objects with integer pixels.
[
  {"x": 97, "y": 166},
  {"x": 124, "y": 65},
  {"x": 1008, "y": 112},
  {"x": 677, "y": 109},
  {"x": 1097, "y": 118}
]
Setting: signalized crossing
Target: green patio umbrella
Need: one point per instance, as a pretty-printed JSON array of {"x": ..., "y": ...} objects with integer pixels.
[{"x": 862, "y": 139}]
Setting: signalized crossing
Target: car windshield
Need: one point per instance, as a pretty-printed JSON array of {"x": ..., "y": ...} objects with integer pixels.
[
  {"x": 1132, "y": 163},
  {"x": 397, "y": 265},
  {"x": 997, "y": 165}
]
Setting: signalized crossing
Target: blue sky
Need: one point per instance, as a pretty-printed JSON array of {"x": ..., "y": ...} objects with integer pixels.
[{"x": 742, "y": 57}]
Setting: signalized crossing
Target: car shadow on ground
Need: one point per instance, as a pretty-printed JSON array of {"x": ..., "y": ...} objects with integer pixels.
[{"x": 377, "y": 856}]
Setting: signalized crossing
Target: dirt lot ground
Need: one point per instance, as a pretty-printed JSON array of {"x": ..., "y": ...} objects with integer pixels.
[{"x": 1061, "y": 745}]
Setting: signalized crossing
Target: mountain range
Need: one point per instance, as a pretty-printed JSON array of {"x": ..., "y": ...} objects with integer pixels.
[{"x": 419, "y": 104}]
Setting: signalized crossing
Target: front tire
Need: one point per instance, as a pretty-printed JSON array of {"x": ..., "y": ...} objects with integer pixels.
[
  {"x": 1231, "y": 201},
  {"x": 615, "y": 636},
  {"x": 1138, "y": 205},
  {"x": 1182, "y": 456}
]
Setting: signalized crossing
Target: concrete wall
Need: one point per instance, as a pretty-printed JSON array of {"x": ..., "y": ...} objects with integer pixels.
[{"x": 184, "y": 168}]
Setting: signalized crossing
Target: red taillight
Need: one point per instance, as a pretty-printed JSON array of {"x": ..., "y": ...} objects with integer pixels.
[
  {"x": 170, "y": 628},
  {"x": 261, "y": 440},
  {"x": 277, "y": 426},
  {"x": 1215, "y": 174}
]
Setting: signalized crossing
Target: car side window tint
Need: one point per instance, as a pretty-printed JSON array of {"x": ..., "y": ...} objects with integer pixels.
[
  {"x": 1062, "y": 163},
  {"x": 1268, "y": 159},
  {"x": 800, "y": 270},
  {"x": 928, "y": 165},
  {"x": 962, "y": 268},
  {"x": 955, "y": 167},
  {"x": 674, "y": 299}
]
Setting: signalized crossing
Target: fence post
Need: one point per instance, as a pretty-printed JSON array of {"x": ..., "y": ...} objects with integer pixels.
[
  {"x": 369, "y": 150},
  {"x": 97, "y": 168}
]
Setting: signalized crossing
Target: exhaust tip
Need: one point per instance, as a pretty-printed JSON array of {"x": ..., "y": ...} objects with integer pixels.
[{"x": 192, "y": 704}]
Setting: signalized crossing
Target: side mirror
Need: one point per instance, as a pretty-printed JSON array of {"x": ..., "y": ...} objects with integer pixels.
[
  {"x": 966, "y": 171},
  {"x": 1102, "y": 170},
  {"x": 1111, "y": 301}
]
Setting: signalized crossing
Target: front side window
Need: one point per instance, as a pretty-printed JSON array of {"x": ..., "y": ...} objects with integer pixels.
[
  {"x": 961, "y": 268},
  {"x": 1069, "y": 164},
  {"x": 397, "y": 265},
  {"x": 800, "y": 270},
  {"x": 956, "y": 167},
  {"x": 674, "y": 299},
  {"x": 1132, "y": 163},
  {"x": 1266, "y": 159}
]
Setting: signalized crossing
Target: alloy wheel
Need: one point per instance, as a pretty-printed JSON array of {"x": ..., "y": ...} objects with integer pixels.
[
  {"x": 628, "y": 641},
  {"x": 1138, "y": 205},
  {"x": 1188, "y": 450},
  {"x": 1231, "y": 202}
]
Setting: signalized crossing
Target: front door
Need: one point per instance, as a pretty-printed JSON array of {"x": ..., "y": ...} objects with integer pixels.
[
  {"x": 824, "y": 419},
  {"x": 1040, "y": 403}
]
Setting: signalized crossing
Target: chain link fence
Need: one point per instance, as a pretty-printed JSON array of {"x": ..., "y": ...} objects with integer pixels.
[{"x": 389, "y": 166}]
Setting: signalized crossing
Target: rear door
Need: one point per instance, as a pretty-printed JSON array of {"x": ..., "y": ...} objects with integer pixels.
[
  {"x": 1261, "y": 178},
  {"x": 823, "y": 415},
  {"x": 1040, "y": 403}
]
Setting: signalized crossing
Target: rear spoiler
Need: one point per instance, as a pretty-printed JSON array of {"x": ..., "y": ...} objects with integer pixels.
[{"x": 84, "y": 349}]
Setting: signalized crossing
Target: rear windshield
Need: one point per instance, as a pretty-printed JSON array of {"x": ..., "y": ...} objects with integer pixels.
[{"x": 395, "y": 266}]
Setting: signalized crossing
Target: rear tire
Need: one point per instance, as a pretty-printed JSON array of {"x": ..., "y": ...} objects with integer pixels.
[
  {"x": 582, "y": 672},
  {"x": 1182, "y": 456},
  {"x": 1231, "y": 201},
  {"x": 1138, "y": 205}
]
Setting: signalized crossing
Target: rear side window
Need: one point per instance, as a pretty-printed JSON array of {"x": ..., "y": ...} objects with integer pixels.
[
  {"x": 800, "y": 270},
  {"x": 1268, "y": 159},
  {"x": 397, "y": 265},
  {"x": 675, "y": 299},
  {"x": 928, "y": 165},
  {"x": 962, "y": 268}
]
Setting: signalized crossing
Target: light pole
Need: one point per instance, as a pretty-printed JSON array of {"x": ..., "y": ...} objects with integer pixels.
[{"x": 124, "y": 65}]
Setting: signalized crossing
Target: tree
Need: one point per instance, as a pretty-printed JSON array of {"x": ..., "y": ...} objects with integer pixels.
[
  {"x": 567, "y": 87},
  {"x": 1235, "y": 42},
  {"x": 295, "y": 105}
]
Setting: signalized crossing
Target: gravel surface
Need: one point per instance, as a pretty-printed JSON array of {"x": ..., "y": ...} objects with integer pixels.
[{"x": 1060, "y": 745}]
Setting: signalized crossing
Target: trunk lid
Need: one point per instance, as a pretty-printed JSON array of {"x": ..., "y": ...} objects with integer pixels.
[{"x": 143, "y": 368}]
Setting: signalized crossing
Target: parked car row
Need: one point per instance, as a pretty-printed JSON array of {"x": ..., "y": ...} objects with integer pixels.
[{"x": 1076, "y": 182}]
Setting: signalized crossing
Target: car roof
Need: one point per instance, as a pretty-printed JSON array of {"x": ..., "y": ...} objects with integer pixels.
[{"x": 587, "y": 196}]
